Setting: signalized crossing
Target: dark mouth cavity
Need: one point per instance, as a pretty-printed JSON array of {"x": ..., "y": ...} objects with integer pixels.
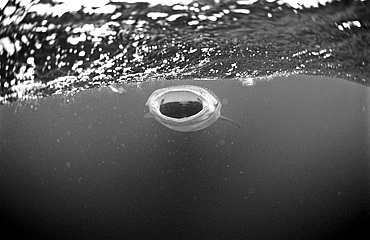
[{"x": 180, "y": 109}]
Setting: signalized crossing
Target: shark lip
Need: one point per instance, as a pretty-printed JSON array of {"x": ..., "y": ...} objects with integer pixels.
[{"x": 180, "y": 96}]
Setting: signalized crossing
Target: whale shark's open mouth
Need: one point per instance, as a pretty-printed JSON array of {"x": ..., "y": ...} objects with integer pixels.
[
  {"x": 184, "y": 108},
  {"x": 180, "y": 104}
]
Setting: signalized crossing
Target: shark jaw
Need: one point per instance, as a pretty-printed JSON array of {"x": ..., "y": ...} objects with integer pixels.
[{"x": 164, "y": 102}]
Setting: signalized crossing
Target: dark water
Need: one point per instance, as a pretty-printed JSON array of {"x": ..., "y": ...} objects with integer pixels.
[
  {"x": 89, "y": 166},
  {"x": 45, "y": 50}
]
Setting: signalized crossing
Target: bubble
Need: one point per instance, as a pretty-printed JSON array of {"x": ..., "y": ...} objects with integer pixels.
[
  {"x": 117, "y": 88},
  {"x": 222, "y": 142}
]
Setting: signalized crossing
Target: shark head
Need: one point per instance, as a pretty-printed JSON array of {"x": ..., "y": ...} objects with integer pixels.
[{"x": 184, "y": 108}]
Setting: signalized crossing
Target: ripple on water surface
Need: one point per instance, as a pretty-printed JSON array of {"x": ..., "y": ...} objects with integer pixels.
[{"x": 49, "y": 50}]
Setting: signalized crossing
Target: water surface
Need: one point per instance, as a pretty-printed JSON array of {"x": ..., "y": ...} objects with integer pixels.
[{"x": 47, "y": 49}]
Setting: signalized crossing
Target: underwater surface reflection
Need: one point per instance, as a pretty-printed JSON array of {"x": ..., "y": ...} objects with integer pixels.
[{"x": 49, "y": 47}]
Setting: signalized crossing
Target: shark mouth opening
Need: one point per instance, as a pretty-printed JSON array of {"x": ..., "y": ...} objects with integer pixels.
[{"x": 180, "y": 104}]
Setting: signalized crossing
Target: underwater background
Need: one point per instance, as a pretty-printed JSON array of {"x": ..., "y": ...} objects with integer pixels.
[{"x": 79, "y": 161}]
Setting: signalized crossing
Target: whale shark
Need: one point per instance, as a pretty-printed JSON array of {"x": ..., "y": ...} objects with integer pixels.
[{"x": 185, "y": 108}]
